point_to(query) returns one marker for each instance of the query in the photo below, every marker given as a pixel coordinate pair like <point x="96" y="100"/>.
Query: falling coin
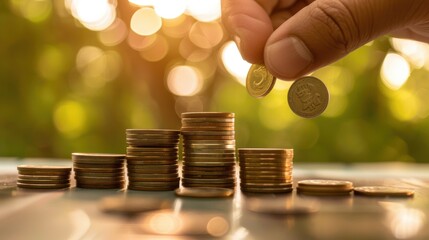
<point x="259" y="81"/>
<point x="308" y="97"/>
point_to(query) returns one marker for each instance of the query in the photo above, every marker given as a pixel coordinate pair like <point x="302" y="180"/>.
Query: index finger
<point x="250" y="26"/>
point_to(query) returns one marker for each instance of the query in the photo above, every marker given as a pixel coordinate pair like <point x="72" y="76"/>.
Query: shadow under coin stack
<point x="208" y="149"/>
<point x="43" y="177"/>
<point x="152" y="160"/>
<point x="99" y="171"/>
<point x="266" y="170"/>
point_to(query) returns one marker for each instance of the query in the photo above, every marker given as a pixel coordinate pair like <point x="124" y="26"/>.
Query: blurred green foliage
<point x="51" y="107"/>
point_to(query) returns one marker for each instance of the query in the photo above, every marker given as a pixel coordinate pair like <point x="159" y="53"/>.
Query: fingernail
<point x="288" y="57"/>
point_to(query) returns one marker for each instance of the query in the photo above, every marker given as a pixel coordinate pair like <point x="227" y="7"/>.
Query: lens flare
<point x="145" y="22"/>
<point x="184" y="81"/>
<point x="169" y="9"/>
<point x="395" y="71"/>
<point x="234" y="63"/>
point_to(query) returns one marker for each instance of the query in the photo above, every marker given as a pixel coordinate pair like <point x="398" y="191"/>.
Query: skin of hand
<point x="295" y="37"/>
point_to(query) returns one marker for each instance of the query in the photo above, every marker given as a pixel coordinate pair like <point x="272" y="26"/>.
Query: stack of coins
<point x="266" y="170"/>
<point x="43" y="177"/>
<point x="324" y="187"/>
<point x="99" y="171"/>
<point x="152" y="160"/>
<point x="208" y="149"/>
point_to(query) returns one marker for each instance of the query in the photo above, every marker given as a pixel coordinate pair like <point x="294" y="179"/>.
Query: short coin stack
<point x="152" y="160"/>
<point x="99" y="171"/>
<point x="208" y="149"/>
<point x="43" y="177"/>
<point x="324" y="187"/>
<point x="266" y="170"/>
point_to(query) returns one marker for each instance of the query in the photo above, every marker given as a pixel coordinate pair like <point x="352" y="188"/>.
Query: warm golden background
<point x="75" y="74"/>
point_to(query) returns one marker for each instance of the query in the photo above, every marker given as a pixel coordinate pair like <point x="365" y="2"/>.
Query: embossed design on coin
<point x="308" y="97"/>
<point x="259" y="81"/>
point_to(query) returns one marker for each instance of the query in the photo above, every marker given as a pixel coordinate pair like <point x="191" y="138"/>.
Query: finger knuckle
<point x="335" y="17"/>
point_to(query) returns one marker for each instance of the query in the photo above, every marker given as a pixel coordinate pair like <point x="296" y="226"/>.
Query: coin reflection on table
<point x="185" y="223"/>
<point x="132" y="205"/>
<point x="283" y="207"/>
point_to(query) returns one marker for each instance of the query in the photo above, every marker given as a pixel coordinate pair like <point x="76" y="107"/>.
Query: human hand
<point x="295" y="37"/>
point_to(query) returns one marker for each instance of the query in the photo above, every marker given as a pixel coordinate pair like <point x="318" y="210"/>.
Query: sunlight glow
<point x="145" y="22"/>
<point x="395" y="71"/>
<point x="184" y="81"/>
<point x="206" y="35"/>
<point x="114" y="34"/>
<point x="157" y="50"/>
<point x="416" y="52"/>
<point x="169" y="9"/>
<point x="95" y="15"/>
<point x="204" y="11"/>
<point x="142" y="3"/>
<point x="234" y="63"/>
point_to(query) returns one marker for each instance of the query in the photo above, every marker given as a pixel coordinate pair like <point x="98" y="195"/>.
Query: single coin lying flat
<point x="384" y="191"/>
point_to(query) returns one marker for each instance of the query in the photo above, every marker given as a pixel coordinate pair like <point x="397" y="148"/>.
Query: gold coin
<point x="154" y="150"/>
<point x="97" y="156"/>
<point x="207" y="124"/>
<point x="332" y="184"/>
<point x="97" y="165"/>
<point x="208" y="115"/>
<point x="209" y="164"/>
<point x="259" y="81"/>
<point x="208" y="133"/>
<point x="208" y="121"/>
<point x="43" y="168"/>
<point x="150" y="188"/>
<point x="206" y="146"/>
<point x="43" y="186"/>
<point x="98" y="174"/>
<point x="204" y="192"/>
<point x="208" y="169"/>
<point x="266" y="189"/>
<point x="220" y="185"/>
<point x="153" y="131"/>
<point x="266" y="150"/>
<point x="205" y="180"/>
<point x="97" y="169"/>
<point x="154" y="184"/>
<point x="308" y="97"/>
<point x="384" y="191"/>
<point x="119" y="185"/>
<point x="206" y="137"/>
<point x="33" y="181"/>
<point x="42" y="177"/>
<point x="324" y="189"/>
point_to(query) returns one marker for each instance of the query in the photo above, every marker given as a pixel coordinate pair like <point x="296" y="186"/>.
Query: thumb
<point x="326" y="30"/>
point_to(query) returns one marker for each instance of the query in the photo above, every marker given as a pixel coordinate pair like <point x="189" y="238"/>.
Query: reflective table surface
<point x="75" y="213"/>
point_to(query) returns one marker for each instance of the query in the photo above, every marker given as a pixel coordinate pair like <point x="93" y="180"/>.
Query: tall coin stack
<point x="98" y="170"/>
<point x="266" y="170"/>
<point x="43" y="177"/>
<point x="208" y="149"/>
<point x="152" y="160"/>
